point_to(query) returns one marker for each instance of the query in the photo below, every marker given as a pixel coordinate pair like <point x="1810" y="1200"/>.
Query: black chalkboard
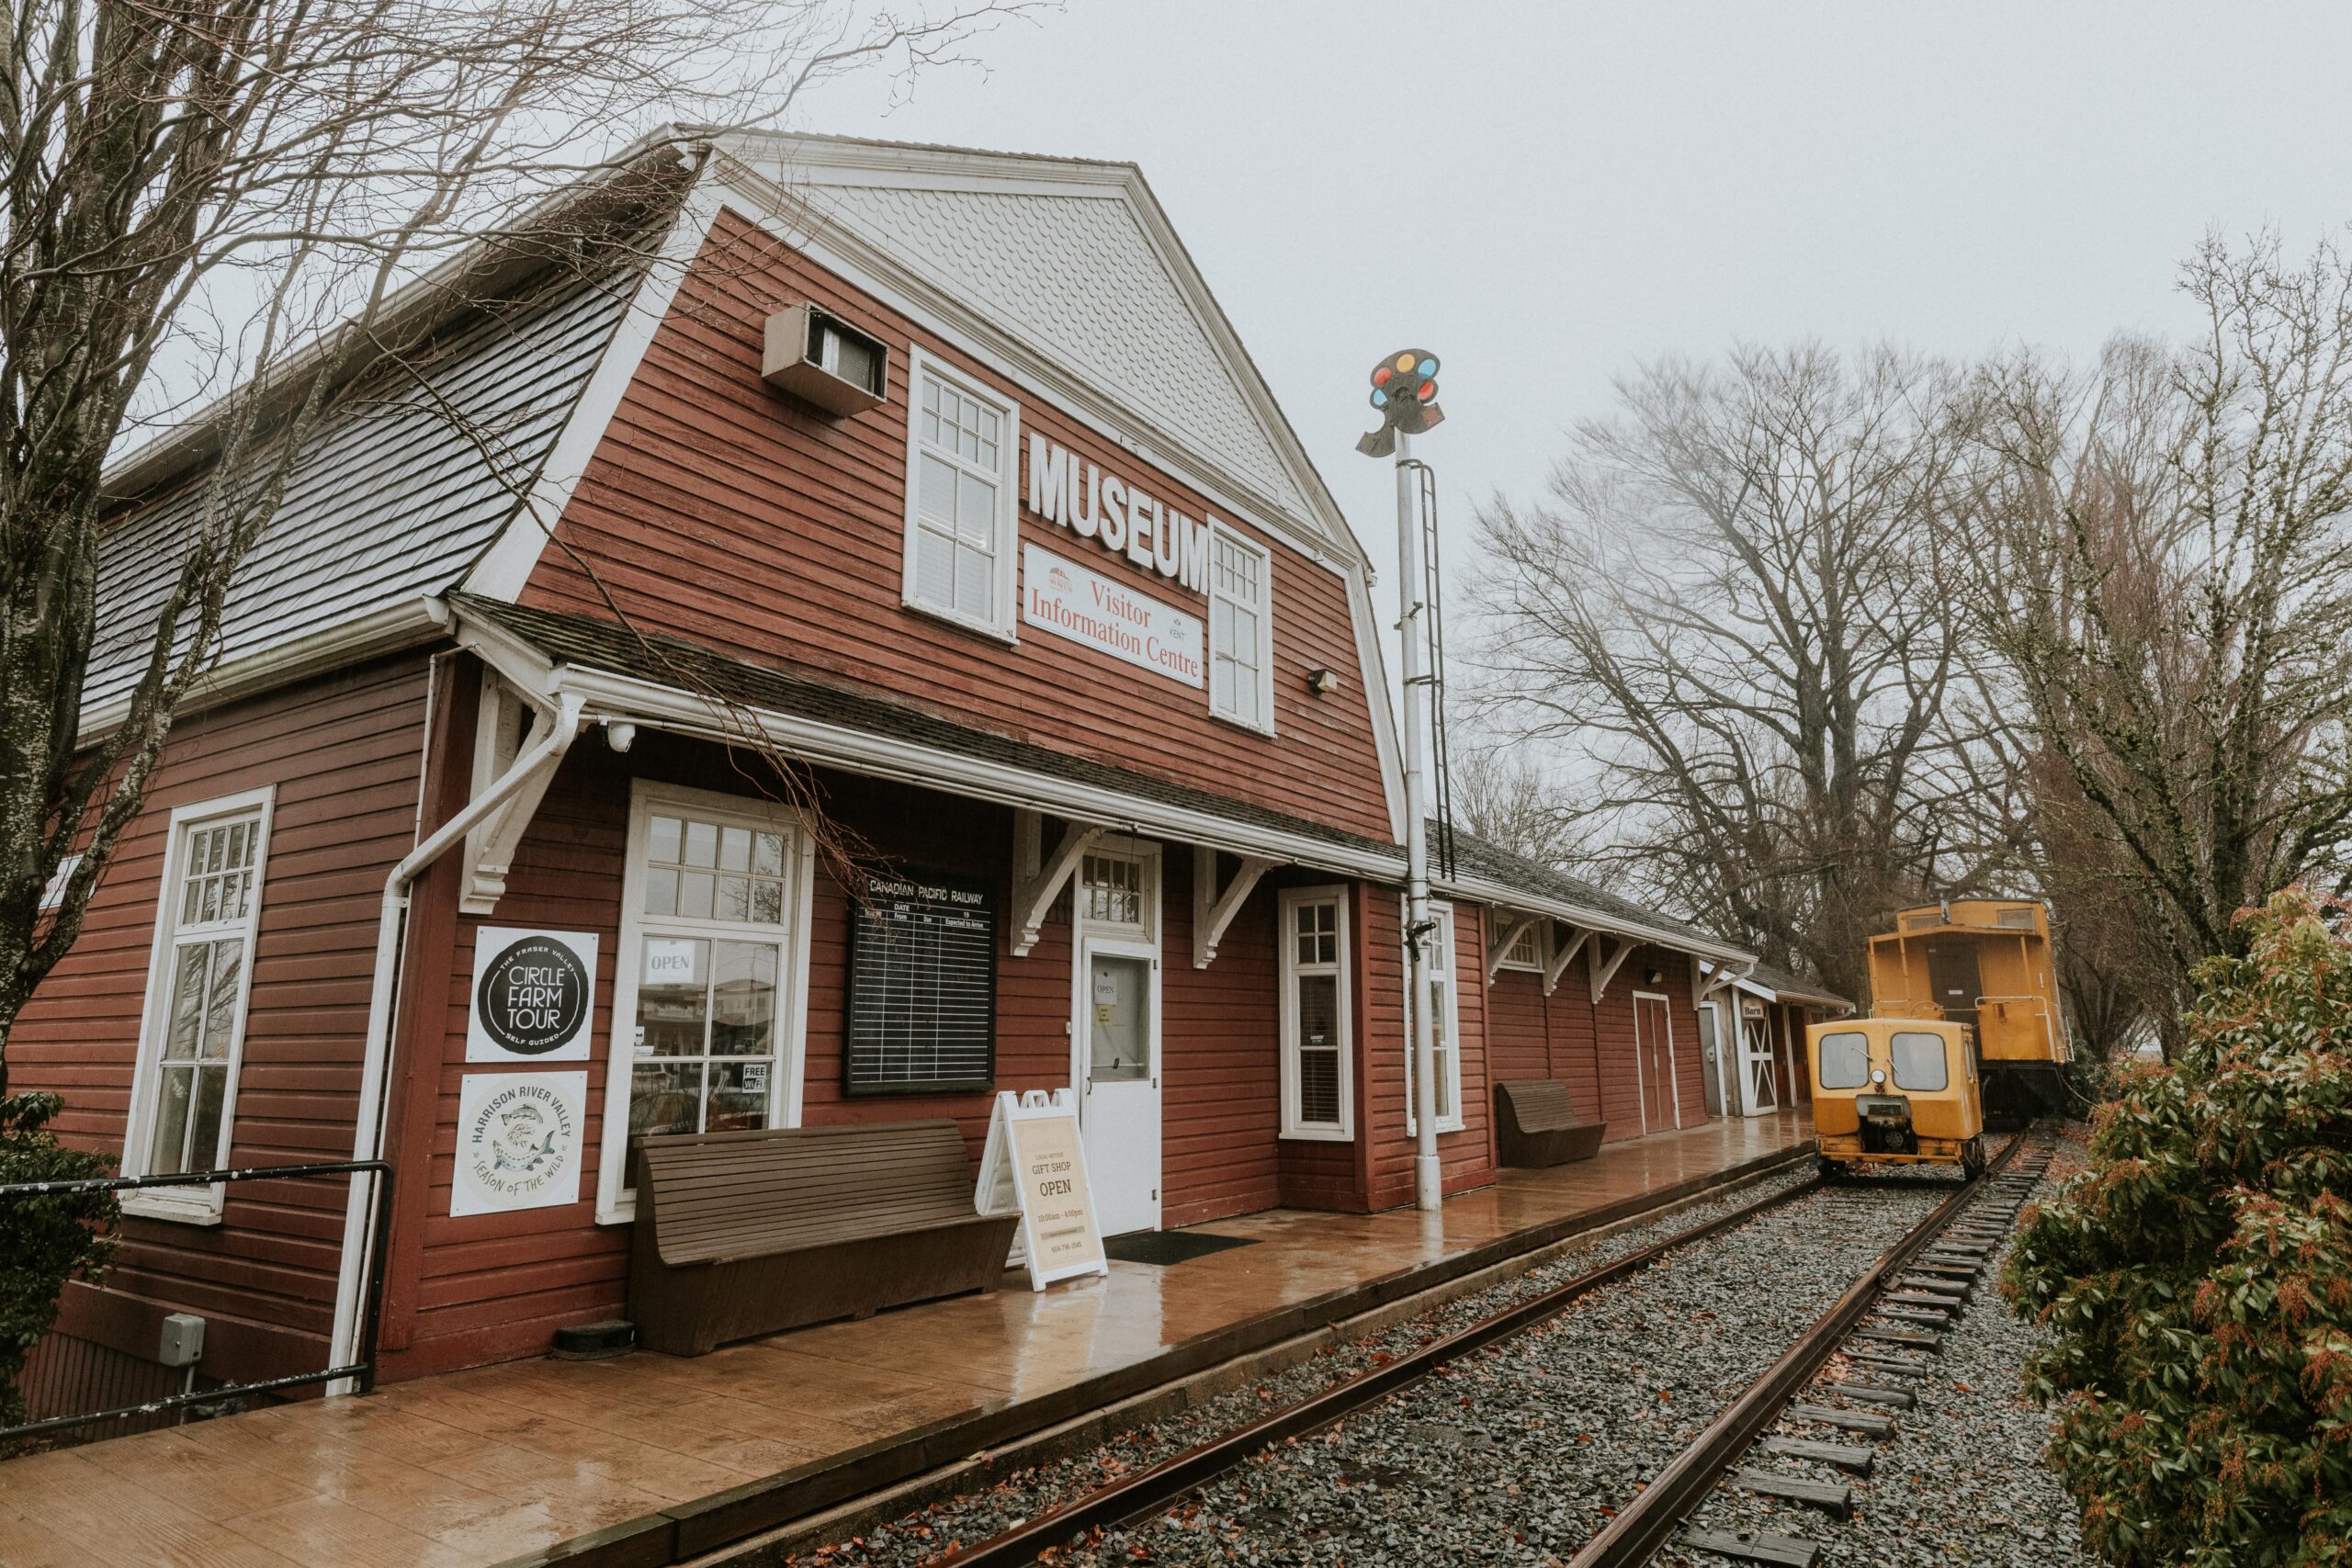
<point x="921" y="986"/>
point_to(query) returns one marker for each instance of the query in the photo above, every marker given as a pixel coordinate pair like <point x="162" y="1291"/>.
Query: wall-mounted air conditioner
<point x="822" y="359"/>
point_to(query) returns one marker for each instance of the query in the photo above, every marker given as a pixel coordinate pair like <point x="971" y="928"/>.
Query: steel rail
<point x="1643" y="1524"/>
<point x="1147" y="1490"/>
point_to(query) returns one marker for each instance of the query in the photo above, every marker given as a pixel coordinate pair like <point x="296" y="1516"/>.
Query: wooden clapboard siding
<point x="344" y="752"/>
<point x="1465" y="1157"/>
<point x="722" y="511"/>
<point x="1220" y="1058"/>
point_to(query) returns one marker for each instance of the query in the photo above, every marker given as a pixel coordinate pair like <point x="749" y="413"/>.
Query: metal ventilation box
<point x="822" y="359"/>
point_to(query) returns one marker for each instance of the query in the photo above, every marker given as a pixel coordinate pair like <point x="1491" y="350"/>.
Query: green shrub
<point x="2198" y="1274"/>
<point x="44" y="1241"/>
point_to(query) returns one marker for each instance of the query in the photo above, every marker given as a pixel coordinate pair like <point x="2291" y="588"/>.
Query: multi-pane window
<point x="196" y="1006"/>
<point x="1111" y="891"/>
<point x="709" y="962"/>
<point x="1239" y="640"/>
<point x="1444" y="1024"/>
<point x="959" y="486"/>
<point x="1316" y="1090"/>
<point x="1526" y="951"/>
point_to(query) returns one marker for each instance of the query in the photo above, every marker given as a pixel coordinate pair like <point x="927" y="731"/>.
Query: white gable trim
<point x="506" y="563"/>
<point x="799" y="217"/>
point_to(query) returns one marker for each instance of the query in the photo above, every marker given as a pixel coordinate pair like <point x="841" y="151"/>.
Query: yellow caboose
<point x="1903" y="1090"/>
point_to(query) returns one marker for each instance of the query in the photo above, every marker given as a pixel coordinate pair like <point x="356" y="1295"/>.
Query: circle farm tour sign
<point x="534" y="992"/>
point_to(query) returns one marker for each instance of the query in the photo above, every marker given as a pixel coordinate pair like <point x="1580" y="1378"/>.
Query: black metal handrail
<point x="362" y="1371"/>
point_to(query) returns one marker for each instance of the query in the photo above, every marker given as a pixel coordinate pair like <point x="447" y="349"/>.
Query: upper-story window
<point x="1241" y="631"/>
<point x="193" y="1035"/>
<point x="961" y="456"/>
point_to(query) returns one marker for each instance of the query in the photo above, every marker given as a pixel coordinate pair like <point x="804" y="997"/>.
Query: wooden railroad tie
<point x="1845" y="1456"/>
<point x="1831" y="1498"/>
<point x="1911" y="1298"/>
<point x="1871" y="1393"/>
<point x="1862" y="1421"/>
<point x="1917" y="1338"/>
<point x="1951" y="1290"/>
<point x="1938" y="1317"/>
<point x="1754" y="1546"/>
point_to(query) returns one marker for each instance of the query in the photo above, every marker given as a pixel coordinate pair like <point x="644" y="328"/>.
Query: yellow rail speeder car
<point x="1903" y="1090"/>
<point x="1964" y="1008"/>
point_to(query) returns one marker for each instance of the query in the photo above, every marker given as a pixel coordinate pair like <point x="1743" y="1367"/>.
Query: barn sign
<point x="1117" y="515"/>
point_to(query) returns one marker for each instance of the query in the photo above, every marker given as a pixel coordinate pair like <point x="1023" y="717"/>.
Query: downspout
<point x="376" y="1059"/>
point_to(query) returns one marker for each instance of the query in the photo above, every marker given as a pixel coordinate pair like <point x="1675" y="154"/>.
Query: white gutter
<point x="376" y="1059"/>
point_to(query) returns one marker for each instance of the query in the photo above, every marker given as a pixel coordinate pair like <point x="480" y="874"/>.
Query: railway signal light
<point x="1404" y="393"/>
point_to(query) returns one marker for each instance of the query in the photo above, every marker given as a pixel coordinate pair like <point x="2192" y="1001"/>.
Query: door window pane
<point x="1118" y="1018"/>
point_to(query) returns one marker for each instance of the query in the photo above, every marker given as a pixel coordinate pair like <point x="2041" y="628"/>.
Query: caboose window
<point x="1919" y="1061"/>
<point x="1845" y="1060"/>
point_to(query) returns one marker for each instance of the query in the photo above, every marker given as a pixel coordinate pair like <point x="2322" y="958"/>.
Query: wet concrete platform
<point x="653" y="1459"/>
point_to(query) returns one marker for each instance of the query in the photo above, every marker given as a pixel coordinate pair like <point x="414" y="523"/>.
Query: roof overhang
<point x="1793" y="996"/>
<point x="611" y="697"/>
<point x="1502" y="896"/>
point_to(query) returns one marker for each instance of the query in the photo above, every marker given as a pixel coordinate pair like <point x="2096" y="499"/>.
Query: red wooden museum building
<point x="937" y="477"/>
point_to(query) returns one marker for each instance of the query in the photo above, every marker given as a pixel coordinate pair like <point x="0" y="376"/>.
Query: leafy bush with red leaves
<point x="2198" y="1273"/>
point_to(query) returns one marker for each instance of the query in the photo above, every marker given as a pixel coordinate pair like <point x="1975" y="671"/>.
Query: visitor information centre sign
<point x="1068" y="600"/>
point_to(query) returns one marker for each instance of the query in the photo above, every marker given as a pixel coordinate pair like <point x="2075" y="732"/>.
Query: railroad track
<point x="1896" y="1308"/>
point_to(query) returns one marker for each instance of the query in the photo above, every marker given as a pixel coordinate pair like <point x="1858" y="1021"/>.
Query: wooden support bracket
<point x="506" y="721"/>
<point x="1602" y="973"/>
<point x="1037" y="878"/>
<point x="1520" y="926"/>
<point x="1563" y="957"/>
<point x="1214" y="910"/>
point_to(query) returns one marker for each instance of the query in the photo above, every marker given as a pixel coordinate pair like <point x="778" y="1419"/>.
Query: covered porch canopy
<point x="599" y="671"/>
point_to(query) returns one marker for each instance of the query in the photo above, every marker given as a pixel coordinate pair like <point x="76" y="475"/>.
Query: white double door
<point x="1117" y="1028"/>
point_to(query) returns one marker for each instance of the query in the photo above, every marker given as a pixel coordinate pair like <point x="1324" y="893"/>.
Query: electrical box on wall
<point x="822" y="359"/>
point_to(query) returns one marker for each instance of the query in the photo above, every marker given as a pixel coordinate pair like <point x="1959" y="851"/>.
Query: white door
<point x="1712" y="1052"/>
<point x="1115" y="1031"/>
<point x="1120" y="1107"/>
<point x="1757" y="1082"/>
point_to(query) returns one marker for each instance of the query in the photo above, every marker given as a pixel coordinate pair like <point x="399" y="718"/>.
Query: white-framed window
<point x="1112" y="893"/>
<point x="1445" y="1033"/>
<point x="192" y="1030"/>
<point x="1241" y="631"/>
<point x="1527" y="953"/>
<point x="1319" y="1098"/>
<point x="963" y="446"/>
<point x="709" y="1014"/>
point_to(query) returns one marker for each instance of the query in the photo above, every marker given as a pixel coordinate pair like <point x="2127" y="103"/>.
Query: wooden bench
<point x="749" y="1233"/>
<point x="1536" y="1126"/>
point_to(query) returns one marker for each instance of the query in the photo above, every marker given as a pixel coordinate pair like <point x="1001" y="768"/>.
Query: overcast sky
<point x="1548" y="194"/>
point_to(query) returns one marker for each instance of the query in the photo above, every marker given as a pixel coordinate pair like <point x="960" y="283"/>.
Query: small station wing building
<point x="940" y="474"/>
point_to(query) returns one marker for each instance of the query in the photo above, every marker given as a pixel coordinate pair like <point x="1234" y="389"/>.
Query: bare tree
<point x="263" y="201"/>
<point x="2162" y="552"/>
<point x="1729" y="602"/>
<point x="1500" y="795"/>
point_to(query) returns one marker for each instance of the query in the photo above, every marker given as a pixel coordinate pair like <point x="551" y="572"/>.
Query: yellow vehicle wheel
<point x="1833" y="1169"/>
<point x="1971" y="1158"/>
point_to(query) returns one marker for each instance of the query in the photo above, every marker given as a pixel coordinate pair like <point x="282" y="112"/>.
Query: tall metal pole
<point x="1428" y="1187"/>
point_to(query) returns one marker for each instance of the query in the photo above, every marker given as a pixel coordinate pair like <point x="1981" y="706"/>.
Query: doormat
<point x="1161" y="1248"/>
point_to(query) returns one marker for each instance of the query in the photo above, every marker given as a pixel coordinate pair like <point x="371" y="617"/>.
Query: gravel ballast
<point x="1024" y="1493"/>
<point x="1962" y="1483"/>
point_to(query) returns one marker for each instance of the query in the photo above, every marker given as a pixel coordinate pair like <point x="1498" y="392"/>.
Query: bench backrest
<point x="752" y="1193"/>
<point x="1537" y="1105"/>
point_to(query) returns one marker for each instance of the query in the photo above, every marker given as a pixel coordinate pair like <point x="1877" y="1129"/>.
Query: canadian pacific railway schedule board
<point x="921" y="986"/>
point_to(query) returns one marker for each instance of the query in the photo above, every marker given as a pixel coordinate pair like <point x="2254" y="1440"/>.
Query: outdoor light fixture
<point x="1657" y="976"/>
<point x="619" y="734"/>
<point x="1322" y="682"/>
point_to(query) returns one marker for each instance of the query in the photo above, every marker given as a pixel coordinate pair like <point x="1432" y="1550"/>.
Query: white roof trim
<point x="609" y="695"/>
<point x="1480" y="890"/>
<point x="836" y="240"/>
